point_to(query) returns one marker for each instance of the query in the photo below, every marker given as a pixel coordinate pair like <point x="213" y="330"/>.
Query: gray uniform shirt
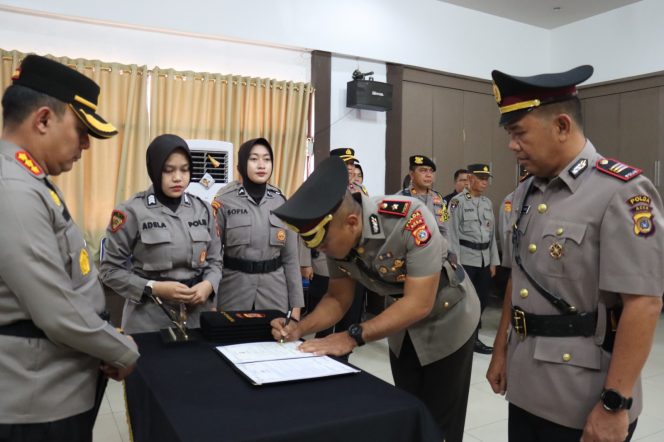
<point x="319" y="263"/>
<point x="251" y="232"/>
<point x="471" y="219"/>
<point x="400" y="237"/>
<point x="587" y="239"/>
<point x="504" y="220"/>
<point x="47" y="276"/>
<point x="146" y="240"/>
<point x="435" y="203"/>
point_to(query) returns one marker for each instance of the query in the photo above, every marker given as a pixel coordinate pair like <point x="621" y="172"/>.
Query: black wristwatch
<point x="355" y="332"/>
<point x="614" y="401"/>
<point x="147" y="290"/>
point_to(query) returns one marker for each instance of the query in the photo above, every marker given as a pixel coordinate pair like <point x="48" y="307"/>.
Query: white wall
<point x="363" y="130"/>
<point x="426" y="33"/>
<point x="621" y="43"/>
<point x="28" y="33"/>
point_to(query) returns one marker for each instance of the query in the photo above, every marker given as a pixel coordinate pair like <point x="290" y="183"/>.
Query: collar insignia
<point x="578" y="168"/>
<point x="26" y="161"/>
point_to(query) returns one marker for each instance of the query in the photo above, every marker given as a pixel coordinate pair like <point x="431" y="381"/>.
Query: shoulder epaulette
<point x="617" y="169"/>
<point x="394" y="207"/>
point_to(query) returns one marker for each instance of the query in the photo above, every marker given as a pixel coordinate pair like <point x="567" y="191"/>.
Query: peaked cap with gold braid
<point x="516" y="96"/>
<point x="311" y="208"/>
<point x="67" y="85"/>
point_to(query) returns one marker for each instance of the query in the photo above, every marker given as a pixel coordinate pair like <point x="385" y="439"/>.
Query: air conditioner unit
<point x="213" y="167"/>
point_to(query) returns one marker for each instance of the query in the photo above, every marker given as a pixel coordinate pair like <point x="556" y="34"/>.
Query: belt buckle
<point x="519" y="325"/>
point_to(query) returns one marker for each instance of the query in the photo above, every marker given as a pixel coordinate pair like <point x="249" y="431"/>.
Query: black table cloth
<point x="188" y="392"/>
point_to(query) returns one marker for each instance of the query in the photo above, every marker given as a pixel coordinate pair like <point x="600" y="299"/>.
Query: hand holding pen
<point x="288" y="318"/>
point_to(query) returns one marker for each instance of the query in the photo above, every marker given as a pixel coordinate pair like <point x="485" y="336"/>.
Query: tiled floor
<point x="486" y="420"/>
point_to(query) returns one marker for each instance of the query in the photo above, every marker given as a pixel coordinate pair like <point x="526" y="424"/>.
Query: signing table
<point x="188" y="392"/>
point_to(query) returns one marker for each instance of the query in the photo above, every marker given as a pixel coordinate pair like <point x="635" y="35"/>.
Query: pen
<point x="288" y="316"/>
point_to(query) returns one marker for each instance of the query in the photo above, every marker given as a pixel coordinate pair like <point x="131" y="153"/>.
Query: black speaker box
<point x="370" y="95"/>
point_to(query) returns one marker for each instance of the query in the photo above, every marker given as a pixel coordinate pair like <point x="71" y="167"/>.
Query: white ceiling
<point x="541" y="12"/>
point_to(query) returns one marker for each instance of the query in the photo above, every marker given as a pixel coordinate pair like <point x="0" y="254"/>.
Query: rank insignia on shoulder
<point x="507" y="207"/>
<point x="617" y="169"/>
<point x="373" y="224"/>
<point x="26" y="161"/>
<point x="216" y="205"/>
<point x="152" y="200"/>
<point x="118" y="218"/>
<point x="394" y="207"/>
<point x="468" y="196"/>
<point x="641" y="215"/>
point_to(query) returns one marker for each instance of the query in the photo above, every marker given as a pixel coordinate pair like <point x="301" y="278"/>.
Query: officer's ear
<point x="42" y="118"/>
<point x="563" y="125"/>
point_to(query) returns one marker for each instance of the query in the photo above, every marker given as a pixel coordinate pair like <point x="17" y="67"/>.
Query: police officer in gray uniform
<point x="422" y="175"/>
<point x="52" y="338"/>
<point x="163" y="242"/>
<point x="261" y="268"/>
<point x="391" y="245"/>
<point x="586" y="253"/>
<point x="473" y="235"/>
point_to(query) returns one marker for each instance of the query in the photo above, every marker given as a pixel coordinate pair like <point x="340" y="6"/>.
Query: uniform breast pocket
<point x="487" y="218"/>
<point x="238" y="230"/>
<point x="562" y="254"/>
<point x="157" y="253"/>
<point x="469" y="222"/>
<point x="277" y="232"/>
<point x="78" y="256"/>
<point x="200" y="238"/>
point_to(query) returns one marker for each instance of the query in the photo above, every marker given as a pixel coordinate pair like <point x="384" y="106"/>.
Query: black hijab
<point x="257" y="191"/>
<point x="157" y="154"/>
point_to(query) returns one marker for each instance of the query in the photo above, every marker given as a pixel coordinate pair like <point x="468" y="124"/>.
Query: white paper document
<point x="271" y="362"/>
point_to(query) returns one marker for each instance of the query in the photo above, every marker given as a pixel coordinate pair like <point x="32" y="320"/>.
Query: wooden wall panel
<point x="447" y="136"/>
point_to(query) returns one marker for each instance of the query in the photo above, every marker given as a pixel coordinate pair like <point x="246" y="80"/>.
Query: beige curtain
<point x="111" y="170"/>
<point x="236" y="109"/>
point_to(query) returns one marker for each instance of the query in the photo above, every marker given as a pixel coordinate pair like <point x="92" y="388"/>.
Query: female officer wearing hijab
<point x="261" y="268"/>
<point x="164" y="242"/>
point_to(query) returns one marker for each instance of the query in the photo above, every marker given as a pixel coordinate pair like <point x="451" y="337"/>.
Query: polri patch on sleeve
<point x="453" y="204"/>
<point x="617" y="169"/>
<point x="118" y="218"/>
<point x="394" y="207"/>
<point x="641" y="215"/>
<point x="418" y="228"/>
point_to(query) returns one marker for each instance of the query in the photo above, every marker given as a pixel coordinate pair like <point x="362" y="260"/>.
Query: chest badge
<point x="202" y="256"/>
<point x="84" y="262"/>
<point x="56" y="198"/>
<point x="281" y="235"/>
<point x="556" y="250"/>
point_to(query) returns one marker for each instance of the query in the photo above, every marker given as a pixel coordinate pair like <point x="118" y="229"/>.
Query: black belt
<point x="474" y="245"/>
<point x="25" y="328"/>
<point x="526" y="324"/>
<point x="188" y="282"/>
<point x="246" y="266"/>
